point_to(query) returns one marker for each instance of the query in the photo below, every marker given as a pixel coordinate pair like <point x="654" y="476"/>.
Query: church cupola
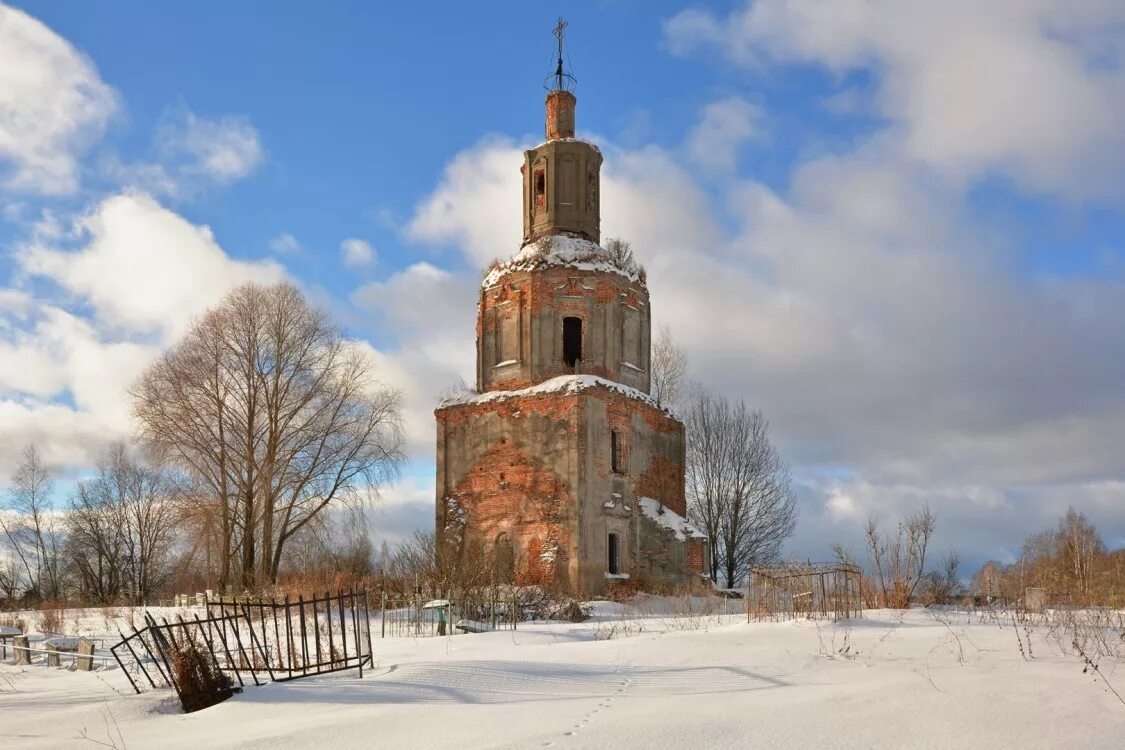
<point x="561" y="190"/>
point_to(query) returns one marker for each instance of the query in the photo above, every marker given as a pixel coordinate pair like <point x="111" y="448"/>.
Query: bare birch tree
<point x="669" y="366"/>
<point x="31" y="527"/>
<point x="738" y="486"/>
<point x="276" y="415"/>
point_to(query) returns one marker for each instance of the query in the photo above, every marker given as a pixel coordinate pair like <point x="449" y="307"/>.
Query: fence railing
<point x="244" y="640"/>
<point x="807" y="590"/>
<point x="465" y="612"/>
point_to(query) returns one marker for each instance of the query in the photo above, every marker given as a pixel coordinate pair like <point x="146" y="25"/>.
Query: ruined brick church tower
<point x="560" y="462"/>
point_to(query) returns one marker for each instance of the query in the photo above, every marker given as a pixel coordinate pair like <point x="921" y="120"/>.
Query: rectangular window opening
<point x="615" y="450"/>
<point x="612" y="555"/>
<point x="572" y="341"/>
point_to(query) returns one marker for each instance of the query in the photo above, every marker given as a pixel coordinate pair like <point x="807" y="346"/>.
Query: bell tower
<point x="559" y="465"/>
<point x="561" y="176"/>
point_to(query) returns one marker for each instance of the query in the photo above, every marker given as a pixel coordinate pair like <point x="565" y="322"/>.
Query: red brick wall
<point x="508" y="491"/>
<point x="663" y="478"/>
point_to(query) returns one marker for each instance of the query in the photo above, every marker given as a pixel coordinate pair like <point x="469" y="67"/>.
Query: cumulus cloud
<point x="473" y="206"/>
<point x="725" y="125"/>
<point x="142" y="266"/>
<point x="865" y="310"/>
<point x="223" y="149"/>
<point x="53" y="106"/>
<point x="1032" y="90"/>
<point x="427" y="318"/>
<point x="190" y="155"/>
<point x="103" y="292"/>
<point x="285" y="244"/>
<point x="355" y="252"/>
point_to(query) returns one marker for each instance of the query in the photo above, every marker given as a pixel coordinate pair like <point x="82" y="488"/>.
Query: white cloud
<point x="476" y="204"/>
<point x="714" y="143"/>
<point x="223" y="149"/>
<point x="53" y="105"/>
<point x="865" y="312"/>
<point x="1029" y="88"/>
<point x="285" y="244"/>
<point x="355" y="253"/>
<point x="142" y="266"/>
<point x="430" y="314"/>
<point x="69" y="352"/>
<point x="192" y="153"/>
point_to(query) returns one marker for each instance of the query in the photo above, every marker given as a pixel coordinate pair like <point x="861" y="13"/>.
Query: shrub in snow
<point x="199" y="681"/>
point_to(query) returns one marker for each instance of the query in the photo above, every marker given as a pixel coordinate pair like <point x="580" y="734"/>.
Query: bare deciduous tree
<point x="276" y="415"/>
<point x="1069" y="562"/>
<point x="1078" y="546"/>
<point x="121" y="527"/>
<point x="737" y="485"/>
<point x="31" y="528"/>
<point x="669" y="365"/>
<point x="900" y="560"/>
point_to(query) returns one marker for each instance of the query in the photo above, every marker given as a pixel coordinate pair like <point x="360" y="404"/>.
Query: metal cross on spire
<point x="563" y="81"/>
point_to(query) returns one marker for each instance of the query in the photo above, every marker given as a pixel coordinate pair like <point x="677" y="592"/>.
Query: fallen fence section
<point x="808" y="590"/>
<point x="206" y="659"/>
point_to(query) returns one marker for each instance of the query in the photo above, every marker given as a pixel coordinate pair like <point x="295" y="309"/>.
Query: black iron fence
<point x="206" y="659"/>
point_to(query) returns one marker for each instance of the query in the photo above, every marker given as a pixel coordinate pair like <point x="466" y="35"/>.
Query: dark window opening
<point x="540" y="188"/>
<point x="504" y="558"/>
<point x="615" y="448"/>
<point x="611" y="554"/>
<point x="572" y="341"/>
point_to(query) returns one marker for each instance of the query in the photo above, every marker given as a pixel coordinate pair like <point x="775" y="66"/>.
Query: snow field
<point x="645" y="674"/>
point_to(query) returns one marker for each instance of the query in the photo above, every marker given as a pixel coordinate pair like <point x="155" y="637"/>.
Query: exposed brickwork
<point x="664" y="480"/>
<point x="523" y="300"/>
<point x="537" y="471"/>
<point x="560" y="114"/>
<point x="507" y="492"/>
<point x="696" y="549"/>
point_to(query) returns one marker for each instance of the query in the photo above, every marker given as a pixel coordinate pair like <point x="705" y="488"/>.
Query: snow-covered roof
<point x="669" y="519"/>
<point x="562" y="384"/>
<point x="562" y="250"/>
<point x="567" y="140"/>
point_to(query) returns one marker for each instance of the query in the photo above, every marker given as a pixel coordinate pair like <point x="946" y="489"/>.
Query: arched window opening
<point x="612" y="555"/>
<point x="572" y="341"/>
<point x="540" y="184"/>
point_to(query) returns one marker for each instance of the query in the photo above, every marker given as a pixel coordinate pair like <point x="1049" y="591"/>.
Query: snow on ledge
<point x="562" y="384"/>
<point x="669" y="519"/>
<point x="617" y="576"/>
<point x="561" y="250"/>
<point x="566" y="140"/>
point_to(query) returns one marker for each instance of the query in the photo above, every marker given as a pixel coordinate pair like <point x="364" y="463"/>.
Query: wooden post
<point x="19" y="655"/>
<point x="383" y="615"/>
<point x="85" y="655"/>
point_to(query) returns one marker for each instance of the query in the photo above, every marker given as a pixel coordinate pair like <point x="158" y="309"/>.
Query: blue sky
<point x="894" y="227"/>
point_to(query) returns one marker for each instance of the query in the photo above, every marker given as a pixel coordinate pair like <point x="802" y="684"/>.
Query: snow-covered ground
<point x="630" y="677"/>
